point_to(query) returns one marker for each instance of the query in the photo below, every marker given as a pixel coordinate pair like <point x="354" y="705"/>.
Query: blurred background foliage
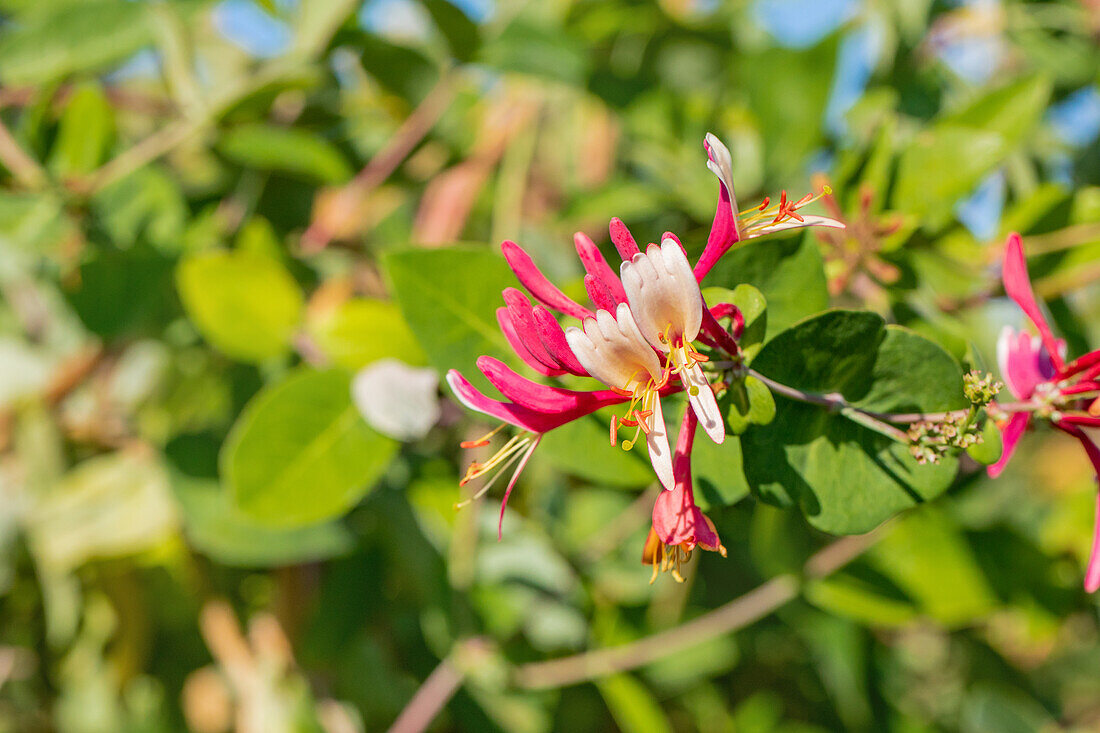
<point x="207" y="209"/>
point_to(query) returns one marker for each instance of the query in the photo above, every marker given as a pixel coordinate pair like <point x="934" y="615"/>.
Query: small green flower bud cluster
<point x="980" y="388"/>
<point x="929" y="441"/>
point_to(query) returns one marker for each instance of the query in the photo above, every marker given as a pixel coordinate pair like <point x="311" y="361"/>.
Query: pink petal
<point x="596" y="266"/>
<point x="1092" y="571"/>
<point x="520" y="347"/>
<point x="521" y="417"/>
<point x="544" y="291"/>
<point x="1087" y="362"/>
<point x="1024" y="364"/>
<point x="1010" y="436"/>
<point x="523" y="320"/>
<point x="673" y="519"/>
<point x="601" y="296"/>
<point x="553" y="338"/>
<point x="724" y="232"/>
<point x="623" y="239"/>
<point x="1018" y="287"/>
<point x="676" y="518"/>
<point x="544" y="398"/>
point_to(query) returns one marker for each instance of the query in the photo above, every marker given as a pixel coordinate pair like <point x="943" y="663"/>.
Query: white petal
<point x="662" y="292"/>
<point x="689" y="298"/>
<point x="657" y="443"/>
<point x="722" y="166"/>
<point x="612" y="350"/>
<point x="1004" y="345"/>
<point x="792" y="223"/>
<point x="396" y="399"/>
<point x="703" y="403"/>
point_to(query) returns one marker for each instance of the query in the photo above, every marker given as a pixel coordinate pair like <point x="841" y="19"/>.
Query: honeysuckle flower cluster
<point x="641" y="339"/>
<point x="1035" y="370"/>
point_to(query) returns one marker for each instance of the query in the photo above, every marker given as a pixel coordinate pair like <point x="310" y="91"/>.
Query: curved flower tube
<point x="678" y="524"/>
<point x="1034" y="370"/>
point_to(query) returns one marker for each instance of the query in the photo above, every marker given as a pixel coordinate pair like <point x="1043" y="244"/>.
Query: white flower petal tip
<point x="613" y="350"/>
<point x="398" y="400"/>
<point x="663" y="295"/>
<point x="703" y="403"/>
<point x="660" y="455"/>
<point x="807" y="221"/>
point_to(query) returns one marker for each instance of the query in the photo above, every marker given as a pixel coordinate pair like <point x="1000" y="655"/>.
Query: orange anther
<point x="480" y="443"/>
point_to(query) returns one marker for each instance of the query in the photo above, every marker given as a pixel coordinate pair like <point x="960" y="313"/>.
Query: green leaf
<point x="717" y="471"/>
<point x="990" y="449"/>
<point x="216" y="528"/>
<point x="112" y="505"/>
<point x="747" y="402"/>
<point x="449" y="298"/>
<point x="941" y="165"/>
<point x="846" y="478"/>
<point x="58" y="40"/>
<point x="790" y="120"/>
<point x="926" y="555"/>
<point x="288" y="150"/>
<point x="461" y="32"/>
<point x="1013" y="110"/>
<point x="786" y="268"/>
<point x="85" y="133"/>
<point x="753" y="305"/>
<point x="400" y="69"/>
<point x="859" y="601"/>
<point x="300" y="453"/>
<point x="632" y="705"/>
<point x="245" y="304"/>
<point x="583" y="448"/>
<point x="318" y="21"/>
<point x="145" y="206"/>
<point x="361" y="330"/>
<point x="122" y="291"/>
<point x="537" y="50"/>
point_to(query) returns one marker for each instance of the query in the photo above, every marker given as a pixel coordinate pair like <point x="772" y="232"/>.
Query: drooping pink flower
<point x="678" y="524"/>
<point x="1035" y="371"/>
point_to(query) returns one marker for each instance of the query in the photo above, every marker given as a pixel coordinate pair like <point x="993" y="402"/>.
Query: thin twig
<point x="738" y="613"/>
<point x="25" y="168"/>
<point x="407" y="136"/>
<point x="835" y="402"/>
<point x="440" y="686"/>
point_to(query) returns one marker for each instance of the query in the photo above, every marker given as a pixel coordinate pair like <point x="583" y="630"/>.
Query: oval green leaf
<point x="300" y="453"/>
<point x="246" y="305"/>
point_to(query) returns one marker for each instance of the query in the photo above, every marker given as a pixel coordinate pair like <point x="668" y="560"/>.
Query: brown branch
<point x="738" y="613"/>
<point x="382" y="165"/>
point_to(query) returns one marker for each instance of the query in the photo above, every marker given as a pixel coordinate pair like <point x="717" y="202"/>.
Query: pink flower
<point x="1035" y="372"/>
<point x="678" y="524"/>
<point x="639" y="341"/>
<point x="731" y="226"/>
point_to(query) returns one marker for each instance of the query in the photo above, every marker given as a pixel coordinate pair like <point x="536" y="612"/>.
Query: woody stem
<point x="738" y="613"/>
<point x="835" y="401"/>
